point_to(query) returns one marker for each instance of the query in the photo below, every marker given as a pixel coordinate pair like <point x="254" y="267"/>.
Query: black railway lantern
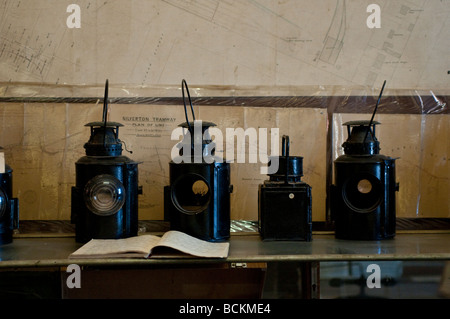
<point x="197" y="201"/>
<point x="363" y="204"/>
<point x="284" y="201"/>
<point x="9" y="207"/>
<point x="105" y="198"/>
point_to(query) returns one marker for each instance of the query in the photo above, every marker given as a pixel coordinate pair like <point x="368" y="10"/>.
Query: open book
<point x="172" y="244"/>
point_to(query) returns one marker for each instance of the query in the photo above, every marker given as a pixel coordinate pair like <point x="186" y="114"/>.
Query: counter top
<point x="244" y="247"/>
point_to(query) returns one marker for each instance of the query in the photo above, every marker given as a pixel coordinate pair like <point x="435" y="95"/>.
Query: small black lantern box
<point x="9" y="206"/>
<point x="105" y="198"/>
<point x="363" y="194"/>
<point x="197" y="201"/>
<point x="285" y="202"/>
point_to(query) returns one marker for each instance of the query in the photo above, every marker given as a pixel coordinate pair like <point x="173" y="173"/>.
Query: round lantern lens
<point x="191" y="194"/>
<point x="362" y="192"/>
<point x="104" y="195"/>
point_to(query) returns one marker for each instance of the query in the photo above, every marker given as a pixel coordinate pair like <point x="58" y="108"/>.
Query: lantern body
<point x="284" y="211"/>
<point x="9" y="208"/>
<point x="364" y="197"/>
<point x="363" y="204"/>
<point x="105" y="198"/>
<point x="285" y="202"/>
<point x="197" y="201"/>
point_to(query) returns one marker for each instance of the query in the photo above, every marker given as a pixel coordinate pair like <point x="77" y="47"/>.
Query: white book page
<point x="142" y="245"/>
<point x="194" y="246"/>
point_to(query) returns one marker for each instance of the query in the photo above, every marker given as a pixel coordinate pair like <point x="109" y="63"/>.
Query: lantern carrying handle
<point x="183" y="85"/>
<point x="105" y="110"/>
<point x="105" y="103"/>
<point x="285" y="152"/>
<point x="374" y="111"/>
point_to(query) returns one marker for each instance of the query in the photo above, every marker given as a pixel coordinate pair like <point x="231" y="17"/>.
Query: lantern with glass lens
<point x="363" y="194"/>
<point x="105" y="198"/>
<point x="9" y="206"/>
<point x="285" y="201"/>
<point x="197" y="201"/>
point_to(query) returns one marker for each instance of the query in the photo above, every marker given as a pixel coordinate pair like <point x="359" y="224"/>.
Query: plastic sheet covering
<point x="42" y="132"/>
<point x="238" y="226"/>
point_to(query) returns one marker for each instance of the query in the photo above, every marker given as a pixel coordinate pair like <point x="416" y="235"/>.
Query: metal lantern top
<point x="195" y="140"/>
<point x="361" y="138"/>
<point x="361" y="135"/>
<point x="290" y="168"/>
<point x="205" y="138"/>
<point x="104" y="139"/>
